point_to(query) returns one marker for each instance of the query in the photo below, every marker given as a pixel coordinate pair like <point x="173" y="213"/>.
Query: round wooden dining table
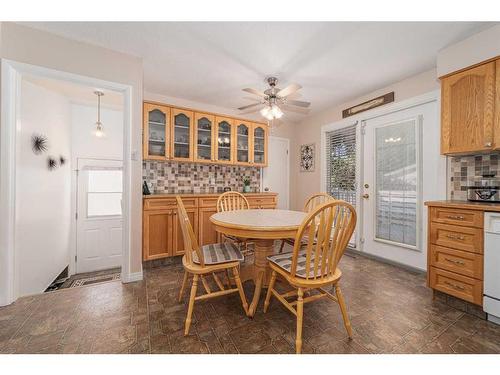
<point x="263" y="227"/>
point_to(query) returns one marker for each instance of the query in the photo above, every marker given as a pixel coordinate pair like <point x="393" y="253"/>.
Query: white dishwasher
<point x="491" y="297"/>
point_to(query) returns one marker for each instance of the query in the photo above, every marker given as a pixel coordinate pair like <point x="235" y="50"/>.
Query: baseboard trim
<point x="387" y="261"/>
<point x="136" y="276"/>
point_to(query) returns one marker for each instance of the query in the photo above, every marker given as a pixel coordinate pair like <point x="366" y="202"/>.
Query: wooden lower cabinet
<point x="455" y="248"/>
<point x="157" y="234"/>
<point x="162" y="235"/>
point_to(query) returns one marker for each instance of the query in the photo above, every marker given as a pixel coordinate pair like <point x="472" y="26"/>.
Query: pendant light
<point x="99" y="132"/>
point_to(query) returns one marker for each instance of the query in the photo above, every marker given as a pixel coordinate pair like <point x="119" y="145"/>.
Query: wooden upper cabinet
<point x="242" y="144"/>
<point x="156" y="131"/>
<point x="224" y="140"/>
<point x="468" y="111"/>
<point x="204" y="138"/>
<point x="182" y="135"/>
<point x="496" y="132"/>
<point x="259" y="145"/>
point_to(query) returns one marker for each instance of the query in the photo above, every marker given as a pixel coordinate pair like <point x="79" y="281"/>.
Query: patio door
<point x="392" y="180"/>
<point x="99" y="215"/>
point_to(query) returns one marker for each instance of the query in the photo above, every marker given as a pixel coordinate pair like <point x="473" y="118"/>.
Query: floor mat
<point x="94" y="280"/>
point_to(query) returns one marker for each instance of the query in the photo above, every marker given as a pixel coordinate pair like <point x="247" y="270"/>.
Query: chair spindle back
<point x="190" y="241"/>
<point x="231" y="201"/>
<point x="331" y="225"/>
<point x="315" y="200"/>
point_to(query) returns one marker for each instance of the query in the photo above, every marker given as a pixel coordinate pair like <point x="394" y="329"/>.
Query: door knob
<point x="366" y="196"/>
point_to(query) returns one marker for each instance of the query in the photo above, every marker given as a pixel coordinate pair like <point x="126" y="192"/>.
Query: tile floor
<point x="391" y="309"/>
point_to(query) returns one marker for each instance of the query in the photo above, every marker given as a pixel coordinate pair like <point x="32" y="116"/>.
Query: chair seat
<point x="284" y="261"/>
<point x="218" y="253"/>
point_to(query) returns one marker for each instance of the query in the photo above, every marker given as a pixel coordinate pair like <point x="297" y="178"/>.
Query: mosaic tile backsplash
<point x="465" y="168"/>
<point x="174" y="177"/>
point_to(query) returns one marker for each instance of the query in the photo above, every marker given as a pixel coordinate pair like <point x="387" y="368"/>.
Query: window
<point x="341" y="165"/>
<point x="104" y="193"/>
<point x="397" y="182"/>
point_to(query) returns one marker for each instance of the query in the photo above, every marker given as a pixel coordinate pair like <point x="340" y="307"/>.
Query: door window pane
<point x="396" y="182"/>
<point x="104" y="193"/>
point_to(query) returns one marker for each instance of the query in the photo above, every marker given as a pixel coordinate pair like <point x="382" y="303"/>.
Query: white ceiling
<point x="211" y="62"/>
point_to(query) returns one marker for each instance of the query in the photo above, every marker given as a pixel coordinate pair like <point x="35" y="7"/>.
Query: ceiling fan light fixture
<point x="276" y="111"/>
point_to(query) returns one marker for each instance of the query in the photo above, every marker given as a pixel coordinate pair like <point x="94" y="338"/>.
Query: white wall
<point x="85" y="144"/>
<point x="43" y="197"/>
<point x="473" y="50"/>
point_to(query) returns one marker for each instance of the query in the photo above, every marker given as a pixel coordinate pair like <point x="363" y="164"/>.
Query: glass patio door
<point x="391" y="184"/>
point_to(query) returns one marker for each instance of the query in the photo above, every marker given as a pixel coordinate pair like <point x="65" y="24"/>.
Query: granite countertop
<point x="172" y="195"/>
<point x="480" y="206"/>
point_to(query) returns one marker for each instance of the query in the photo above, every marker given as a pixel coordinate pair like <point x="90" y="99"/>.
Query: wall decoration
<point x="51" y="163"/>
<point x="39" y="143"/>
<point x="381" y="100"/>
<point x="62" y="160"/>
<point x="307" y="157"/>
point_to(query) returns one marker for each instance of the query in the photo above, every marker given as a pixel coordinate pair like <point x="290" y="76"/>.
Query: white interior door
<point x="396" y="163"/>
<point x="276" y="176"/>
<point x="99" y="215"/>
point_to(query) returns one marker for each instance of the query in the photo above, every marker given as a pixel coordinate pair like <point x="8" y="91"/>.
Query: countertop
<point x="173" y="195"/>
<point x="479" y="206"/>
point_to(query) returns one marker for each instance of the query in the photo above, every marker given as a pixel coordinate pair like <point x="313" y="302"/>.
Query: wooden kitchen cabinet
<point x="162" y="235"/>
<point x="180" y="134"/>
<point x="157" y="234"/>
<point x="156" y="131"/>
<point x="468" y="106"/>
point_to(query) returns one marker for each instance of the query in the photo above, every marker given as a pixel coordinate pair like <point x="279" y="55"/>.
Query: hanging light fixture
<point x="271" y="112"/>
<point x="99" y="132"/>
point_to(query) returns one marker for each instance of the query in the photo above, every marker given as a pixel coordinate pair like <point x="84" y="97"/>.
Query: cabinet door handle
<point x="454" y="286"/>
<point x="455" y="237"/>
<point x="455" y="217"/>
<point x="455" y="261"/>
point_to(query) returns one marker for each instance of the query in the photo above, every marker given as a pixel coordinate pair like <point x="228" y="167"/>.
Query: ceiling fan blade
<point x="295" y="109"/>
<point x="249" y="106"/>
<point x="256" y="92"/>
<point x="298" y="103"/>
<point x="290" y="89"/>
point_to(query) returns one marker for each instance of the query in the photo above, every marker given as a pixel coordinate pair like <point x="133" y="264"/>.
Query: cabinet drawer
<point x="457" y="285"/>
<point x="167" y="203"/>
<point x="455" y="216"/>
<point x="462" y="262"/>
<point x="455" y="237"/>
<point x="261" y="201"/>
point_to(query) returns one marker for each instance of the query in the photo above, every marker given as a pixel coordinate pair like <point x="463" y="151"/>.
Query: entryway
<point x="387" y="163"/>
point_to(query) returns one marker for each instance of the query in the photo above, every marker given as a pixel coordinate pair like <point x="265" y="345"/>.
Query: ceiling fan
<point x="273" y="97"/>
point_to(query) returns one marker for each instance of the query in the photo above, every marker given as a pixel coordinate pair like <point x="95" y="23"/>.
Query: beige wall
<point x="473" y="50"/>
<point x="303" y="184"/>
<point x="26" y="45"/>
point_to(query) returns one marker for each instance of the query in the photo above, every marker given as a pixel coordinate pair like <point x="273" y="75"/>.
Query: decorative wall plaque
<point x="381" y="100"/>
<point x="307" y="157"/>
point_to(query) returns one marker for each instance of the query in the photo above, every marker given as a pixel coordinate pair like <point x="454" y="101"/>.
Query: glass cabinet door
<point x="224" y="140"/>
<point x="156" y="131"/>
<point x="243" y="142"/>
<point x="259" y="142"/>
<point x="182" y="134"/>
<point x="203" y="140"/>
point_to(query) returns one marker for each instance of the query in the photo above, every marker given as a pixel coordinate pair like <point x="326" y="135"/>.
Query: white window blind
<point x="341" y="164"/>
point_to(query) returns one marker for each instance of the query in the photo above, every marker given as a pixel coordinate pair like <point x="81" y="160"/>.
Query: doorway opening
<point x="60" y="112"/>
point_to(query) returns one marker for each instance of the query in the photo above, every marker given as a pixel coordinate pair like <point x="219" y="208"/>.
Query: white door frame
<point x="11" y="75"/>
<point x="364" y="116"/>
<point x="287" y="168"/>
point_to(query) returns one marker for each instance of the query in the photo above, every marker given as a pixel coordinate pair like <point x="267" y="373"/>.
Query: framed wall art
<point x="307" y="157"/>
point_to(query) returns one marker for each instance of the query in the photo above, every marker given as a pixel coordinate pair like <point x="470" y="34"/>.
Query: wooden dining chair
<point x="205" y="261"/>
<point x="312" y="202"/>
<point x="231" y="201"/>
<point x="315" y="267"/>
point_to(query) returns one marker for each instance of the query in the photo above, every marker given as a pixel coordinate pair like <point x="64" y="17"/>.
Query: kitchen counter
<point x="459" y="204"/>
<point x="173" y="195"/>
